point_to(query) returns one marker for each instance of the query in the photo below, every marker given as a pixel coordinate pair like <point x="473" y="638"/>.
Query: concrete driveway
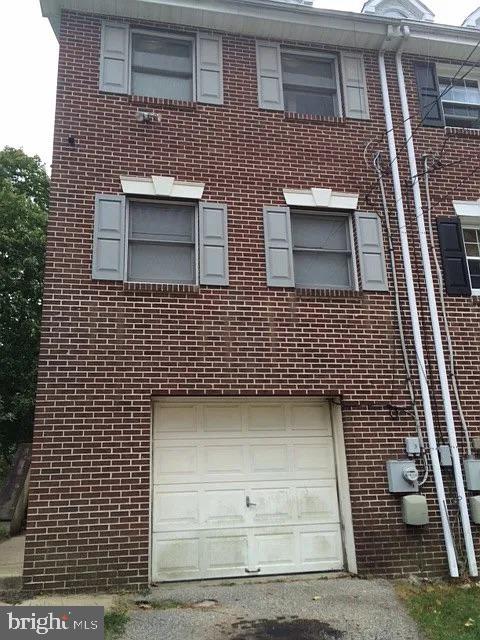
<point x="311" y="608"/>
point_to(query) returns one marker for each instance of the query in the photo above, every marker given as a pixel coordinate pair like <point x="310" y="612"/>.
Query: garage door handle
<point x="252" y="571"/>
<point x="250" y="504"/>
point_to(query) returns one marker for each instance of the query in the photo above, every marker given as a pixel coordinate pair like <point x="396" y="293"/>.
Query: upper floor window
<point x="310" y="83"/>
<point x="471" y="237"/>
<point x="162" y="66"/>
<point x="461" y="101"/>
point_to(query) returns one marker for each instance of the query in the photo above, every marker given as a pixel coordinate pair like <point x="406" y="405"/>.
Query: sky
<point x="28" y="67"/>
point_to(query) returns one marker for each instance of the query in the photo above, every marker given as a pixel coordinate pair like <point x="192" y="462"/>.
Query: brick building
<point x="221" y="377"/>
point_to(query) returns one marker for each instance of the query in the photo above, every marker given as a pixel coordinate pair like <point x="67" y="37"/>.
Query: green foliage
<point x="23" y="219"/>
<point x="115" y="623"/>
<point x="445" y="612"/>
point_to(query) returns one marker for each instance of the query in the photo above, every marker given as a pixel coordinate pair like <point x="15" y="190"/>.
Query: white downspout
<point x="417" y="336"/>
<point x="437" y="334"/>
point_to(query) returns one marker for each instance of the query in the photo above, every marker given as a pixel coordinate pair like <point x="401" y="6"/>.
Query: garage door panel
<point x="224" y="459"/>
<point x="175" y="461"/>
<point x="174" y="418"/>
<point x="311" y="417"/>
<point x="315" y="458"/>
<point x="176" y="557"/>
<point x="224" y="507"/>
<point x="268" y="458"/>
<point x="267" y="417"/>
<point x="224" y="419"/>
<point x="176" y="509"/>
<point x="227" y="552"/>
<point x="320" y="547"/>
<point x="276" y="550"/>
<point x="317" y="503"/>
<point x="273" y="505"/>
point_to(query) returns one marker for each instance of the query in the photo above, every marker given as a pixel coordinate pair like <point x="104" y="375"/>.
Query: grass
<point x="444" y="612"/>
<point x="4" y="535"/>
<point x="165" y="604"/>
<point x="115" y="622"/>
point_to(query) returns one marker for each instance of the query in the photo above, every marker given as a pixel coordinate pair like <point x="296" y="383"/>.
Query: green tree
<point x="24" y="186"/>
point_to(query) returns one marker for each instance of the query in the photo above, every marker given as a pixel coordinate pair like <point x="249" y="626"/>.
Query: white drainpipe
<point x="437" y="334"/>
<point x="417" y="336"/>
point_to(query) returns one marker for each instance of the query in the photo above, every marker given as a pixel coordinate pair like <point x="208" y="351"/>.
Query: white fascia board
<point x="162" y="187"/>
<point x="317" y="198"/>
<point x="467" y="209"/>
<point x="275" y="20"/>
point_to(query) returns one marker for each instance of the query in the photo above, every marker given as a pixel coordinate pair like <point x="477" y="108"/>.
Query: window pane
<point x="162" y="67"/>
<point x="175" y="223"/>
<point x="309" y="84"/>
<point x="472" y="250"/>
<point x="470" y="235"/>
<point x="474" y="266"/>
<point x="320" y="232"/>
<point x="310" y="102"/>
<point x="308" y="71"/>
<point x="148" y="262"/>
<point x="329" y="270"/>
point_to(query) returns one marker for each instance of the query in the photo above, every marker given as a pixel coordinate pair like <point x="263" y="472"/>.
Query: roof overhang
<point x="271" y="19"/>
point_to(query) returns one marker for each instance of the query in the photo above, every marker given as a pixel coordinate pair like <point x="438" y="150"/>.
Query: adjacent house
<point x="245" y="366"/>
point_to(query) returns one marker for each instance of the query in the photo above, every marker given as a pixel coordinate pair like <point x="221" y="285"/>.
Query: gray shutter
<point x="109" y="237"/>
<point x="371" y="252"/>
<point x="115" y="57"/>
<point x="354" y="86"/>
<point x="429" y="94"/>
<point x="209" y="68"/>
<point x="269" y="74"/>
<point x="213" y="244"/>
<point x="278" y="247"/>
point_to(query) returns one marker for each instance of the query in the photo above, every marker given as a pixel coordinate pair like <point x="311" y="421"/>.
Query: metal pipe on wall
<point x="417" y="336"/>
<point x="437" y="334"/>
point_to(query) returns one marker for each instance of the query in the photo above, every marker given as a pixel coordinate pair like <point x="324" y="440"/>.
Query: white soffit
<point x="279" y="20"/>
<point x="467" y="208"/>
<point x="473" y="20"/>
<point x="162" y="186"/>
<point x="320" y="199"/>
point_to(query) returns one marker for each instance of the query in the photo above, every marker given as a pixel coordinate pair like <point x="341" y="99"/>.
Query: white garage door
<point x="243" y="488"/>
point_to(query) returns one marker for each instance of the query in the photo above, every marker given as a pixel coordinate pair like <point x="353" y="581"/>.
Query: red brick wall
<point x="108" y="347"/>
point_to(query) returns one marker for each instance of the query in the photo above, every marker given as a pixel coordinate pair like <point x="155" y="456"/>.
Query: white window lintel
<point x="162" y="186"/>
<point x="321" y="199"/>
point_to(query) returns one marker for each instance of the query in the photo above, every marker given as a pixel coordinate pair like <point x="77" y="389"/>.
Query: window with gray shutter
<point x="373" y="269"/>
<point x="108" y="237"/>
<point x="322" y="252"/>
<point x="269" y="76"/>
<point x="162" y="66"/>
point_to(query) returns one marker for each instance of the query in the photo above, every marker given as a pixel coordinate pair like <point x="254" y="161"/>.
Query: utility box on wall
<point x="402" y="476"/>
<point x="472" y="474"/>
<point x="415" y="510"/>
<point x="475" y="509"/>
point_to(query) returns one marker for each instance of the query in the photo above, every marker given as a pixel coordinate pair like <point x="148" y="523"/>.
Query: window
<point x="461" y="101"/>
<point x="471" y="237"/>
<point x="162" y="66"/>
<point x="322" y="250"/>
<point x="161" y="244"/>
<point x="310" y="83"/>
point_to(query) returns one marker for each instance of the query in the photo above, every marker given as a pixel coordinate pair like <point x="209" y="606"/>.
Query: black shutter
<point x="429" y="94"/>
<point x="455" y="268"/>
